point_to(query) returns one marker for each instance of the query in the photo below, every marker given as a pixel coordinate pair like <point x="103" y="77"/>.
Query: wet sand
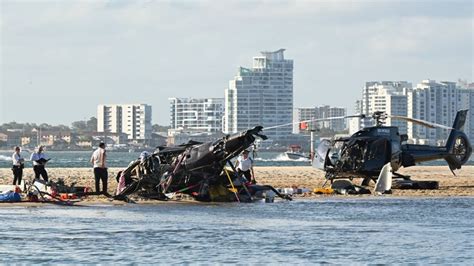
<point x="301" y="177"/>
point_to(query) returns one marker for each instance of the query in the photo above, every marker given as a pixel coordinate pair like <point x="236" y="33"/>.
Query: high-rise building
<point x="386" y="96"/>
<point x="197" y="114"/>
<point x="466" y="101"/>
<point x="321" y="112"/>
<point x="434" y="102"/>
<point x="262" y="95"/>
<point x="131" y="119"/>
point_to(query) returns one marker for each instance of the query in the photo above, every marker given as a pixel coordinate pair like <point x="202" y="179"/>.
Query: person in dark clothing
<point x="98" y="159"/>
<point x="17" y="167"/>
<point x="39" y="162"/>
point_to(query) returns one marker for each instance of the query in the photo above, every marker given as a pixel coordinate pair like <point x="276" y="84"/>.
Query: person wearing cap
<point x="39" y="160"/>
<point x="98" y="160"/>
<point x="18" y="165"/>
<point x="244" y="166"/>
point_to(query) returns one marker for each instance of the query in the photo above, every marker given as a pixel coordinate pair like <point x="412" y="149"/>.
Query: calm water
<point x="122" y="159"/>
<point x="334" y="230"/>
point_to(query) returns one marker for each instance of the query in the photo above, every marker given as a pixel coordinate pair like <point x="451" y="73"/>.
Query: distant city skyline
<point x="68" y="57"/>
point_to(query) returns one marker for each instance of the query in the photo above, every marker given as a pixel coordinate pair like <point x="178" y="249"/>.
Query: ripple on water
<point x="368" y="230"/>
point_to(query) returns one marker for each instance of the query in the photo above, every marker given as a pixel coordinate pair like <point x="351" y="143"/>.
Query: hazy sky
<point x="59" y="59"/>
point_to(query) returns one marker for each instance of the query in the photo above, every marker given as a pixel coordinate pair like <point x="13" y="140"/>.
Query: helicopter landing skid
<point x="405" y="177"/>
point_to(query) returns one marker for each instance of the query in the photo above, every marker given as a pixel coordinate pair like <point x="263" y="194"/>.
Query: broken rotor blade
<point x="420" y="122"/>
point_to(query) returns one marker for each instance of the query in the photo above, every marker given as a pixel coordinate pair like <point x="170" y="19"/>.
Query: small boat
<point x="294" y="153"/>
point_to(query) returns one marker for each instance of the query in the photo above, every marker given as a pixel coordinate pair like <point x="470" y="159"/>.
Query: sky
<point x="60" y="59"/>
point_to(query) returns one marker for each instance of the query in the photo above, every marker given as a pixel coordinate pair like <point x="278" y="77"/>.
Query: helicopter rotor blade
<point x="362" y="116"/>
<point x="420" y="122"/>
<point x="356" y="116"/>
<point x="314" y="120"/>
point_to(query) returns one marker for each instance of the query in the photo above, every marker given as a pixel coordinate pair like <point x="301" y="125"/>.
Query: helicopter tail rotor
<point x="459" y="150"/>
<point x="458" y="146"/>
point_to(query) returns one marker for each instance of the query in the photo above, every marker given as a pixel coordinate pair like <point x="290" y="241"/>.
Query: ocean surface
<point x="80" y="159"/>
<point x="330" y="230"/>
<point x="122" y="159"/>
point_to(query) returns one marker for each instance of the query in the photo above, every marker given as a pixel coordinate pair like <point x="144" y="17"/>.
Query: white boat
<point x="294" y="153"/>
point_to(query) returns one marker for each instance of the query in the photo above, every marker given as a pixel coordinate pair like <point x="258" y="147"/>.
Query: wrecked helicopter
<point x="378" y="152"/>
<point x="203" y="171"/>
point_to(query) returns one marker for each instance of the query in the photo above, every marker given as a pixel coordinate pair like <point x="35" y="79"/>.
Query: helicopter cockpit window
<point x="352" y="155"/>
<point x="323" y="148"/>
<point x="321" y="152"/>
<point x="335" y="152"/>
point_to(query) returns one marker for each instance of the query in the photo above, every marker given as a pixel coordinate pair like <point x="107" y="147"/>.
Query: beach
<point x="292" y="176"/>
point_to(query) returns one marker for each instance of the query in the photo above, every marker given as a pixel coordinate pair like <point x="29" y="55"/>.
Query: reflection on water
<point x="342" y="230"/>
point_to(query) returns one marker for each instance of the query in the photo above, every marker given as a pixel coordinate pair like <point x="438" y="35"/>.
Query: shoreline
<point x="313" y="198"/>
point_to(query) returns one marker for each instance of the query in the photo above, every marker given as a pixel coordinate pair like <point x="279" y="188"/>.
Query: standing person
<point x="39" y="162"/>
<point x="100" y="170"/>
<point x="18" y="165"/>
<point x="244" y="166"/>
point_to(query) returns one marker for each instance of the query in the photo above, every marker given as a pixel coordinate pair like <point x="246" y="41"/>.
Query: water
<point x="122" y="159"/>
<point x="327" y="230"/>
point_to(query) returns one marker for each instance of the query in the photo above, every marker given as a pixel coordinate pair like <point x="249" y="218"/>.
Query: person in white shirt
<point x="244" y="166"/>
<point x="39" y="160"/>
<point x="100" y="169"/>
<point x="18" y="165"/>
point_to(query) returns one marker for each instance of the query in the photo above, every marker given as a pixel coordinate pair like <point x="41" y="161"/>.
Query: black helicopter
<point x="369" y="152"/>
<point x="196" y="169"/>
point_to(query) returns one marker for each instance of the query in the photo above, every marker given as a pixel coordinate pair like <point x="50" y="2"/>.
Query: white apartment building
<point x="434" y="102"/>
<point x="262" y="95"/>
<point x="131" y="119"/>
<point x="386" y="96"/>
<point x="196" y="114"/>
<point x="109" y="118"/>
<point x="327" y="111"/>
<point x="466" y="101"/>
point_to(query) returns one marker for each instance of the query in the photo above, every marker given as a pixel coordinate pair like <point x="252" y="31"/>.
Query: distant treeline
<point x="80" y="126"/>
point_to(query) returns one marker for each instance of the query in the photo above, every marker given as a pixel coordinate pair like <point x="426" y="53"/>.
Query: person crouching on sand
<point x="39" y="160"/>
<point x="18" y="165"/>
<point x="244" y="166"/>
<point x="100" y="170"/>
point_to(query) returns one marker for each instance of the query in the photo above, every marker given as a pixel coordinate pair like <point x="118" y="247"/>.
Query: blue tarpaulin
<point x="10" y="197"/>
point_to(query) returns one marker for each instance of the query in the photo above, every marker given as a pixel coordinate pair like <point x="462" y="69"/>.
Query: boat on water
<point x="294" y="153"/>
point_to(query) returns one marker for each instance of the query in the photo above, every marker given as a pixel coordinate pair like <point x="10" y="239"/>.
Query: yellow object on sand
<point x="323" y="190"/>
<point x="233" y="189"/>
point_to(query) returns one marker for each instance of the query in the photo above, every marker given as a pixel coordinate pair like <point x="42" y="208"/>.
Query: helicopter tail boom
<point x="456" y="152"/>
